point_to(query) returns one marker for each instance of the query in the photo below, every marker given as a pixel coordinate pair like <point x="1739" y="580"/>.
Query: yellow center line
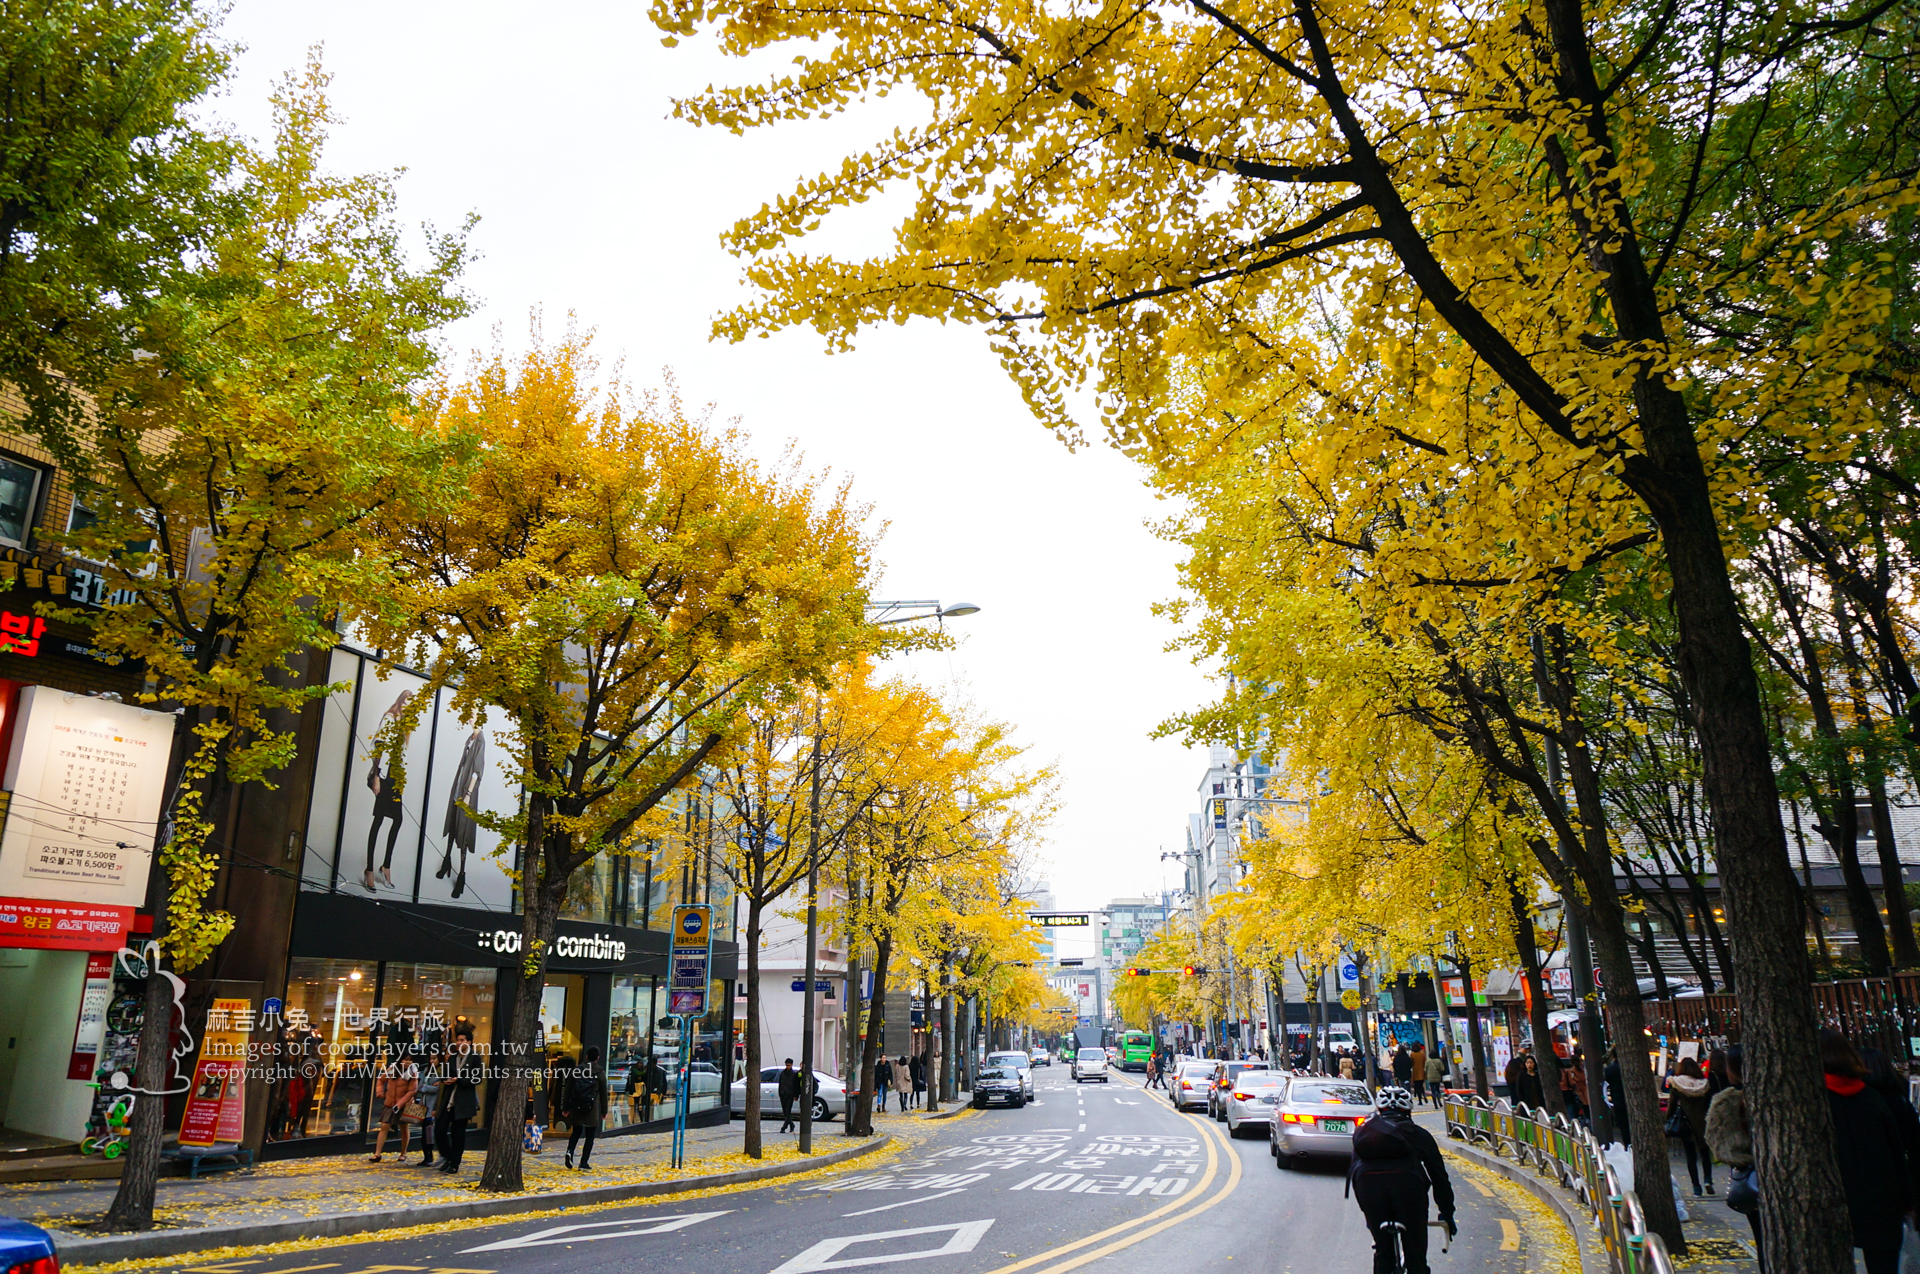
<point x="1509" y="1236"/>
<point x="1195" y="1204"/>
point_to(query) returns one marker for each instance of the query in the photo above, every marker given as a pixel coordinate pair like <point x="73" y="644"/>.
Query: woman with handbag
<point x="1730" y="1137"/>
<point x="400" y="1081"/>
<point x="586" y="1105"/>
<point x="1687" y="1119"/>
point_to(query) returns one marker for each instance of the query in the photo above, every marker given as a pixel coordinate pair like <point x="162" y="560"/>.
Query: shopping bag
<point x="1743" y="1196"/>
<point x="535" y="1138"/>
<point x="1679" y="1198"/>
<point x="1620" y="1159"/>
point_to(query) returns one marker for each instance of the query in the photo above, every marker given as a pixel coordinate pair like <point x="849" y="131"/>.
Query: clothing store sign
<point x="86" y="776"/>
<point x="598" y="947"/>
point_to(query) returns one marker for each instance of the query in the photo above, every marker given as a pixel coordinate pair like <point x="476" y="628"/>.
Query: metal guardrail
<point x="1569" y="1153"/>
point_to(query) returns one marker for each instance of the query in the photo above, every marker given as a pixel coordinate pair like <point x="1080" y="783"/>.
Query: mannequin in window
<point x="386" y="797"/>
<point x="458" y="826"/>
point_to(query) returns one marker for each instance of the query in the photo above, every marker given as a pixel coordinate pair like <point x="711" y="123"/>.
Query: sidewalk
<point x="340" y="1194"/>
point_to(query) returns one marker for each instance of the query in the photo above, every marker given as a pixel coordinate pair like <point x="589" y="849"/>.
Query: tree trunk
<point x="1652" y="954"/>
<point x="1893" y="885"/>
<point x="132" y="1207"/>
<point x="751" y="1145"/>
<point x="861" y="1122"/>
<point x="1526" y="943"/>
<point x="1626" y="1025"/>
<point x="1475" y="1040"/>
<point x="506" y="1122"/>
<point x="949" y="1089"/>
<point x="1710" y="926"/>
<point x="1842" y="831"/>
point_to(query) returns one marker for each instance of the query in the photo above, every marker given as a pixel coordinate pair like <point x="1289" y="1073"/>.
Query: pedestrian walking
<point x="789" y="1091"/>
<point x="431" y="1077"/>
<point x="653" y="1085"/>
<point x="1873" y="1165"/>
<point x="1395" y="1164"/>
<point x="1687" y="1119"/>
<point x="882" y="1081"/>
<point x="1417" y="1071"/>
<point x="1402" y="1066"/>
<point x="459" y="1101"/>
<point x="1883" y="1079"/>
<point x="1532" y="1088"/>
<point x="902" y="1081"/>
<point x="1730" y="1136"/>
<point x="1617" y="1099"/>
<point x="1153" y="1073"/>
<point x="917" y="1070"/>
<point x="399" y="1081"/>
<point x="585" y="1097"/>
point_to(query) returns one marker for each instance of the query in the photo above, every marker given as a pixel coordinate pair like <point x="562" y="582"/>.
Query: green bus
<point x="1135" y="1048"/>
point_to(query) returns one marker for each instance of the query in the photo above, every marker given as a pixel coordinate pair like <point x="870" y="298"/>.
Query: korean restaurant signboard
<point x="86" y="776"/>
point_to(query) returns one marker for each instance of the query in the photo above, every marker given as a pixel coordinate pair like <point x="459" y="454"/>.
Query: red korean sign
<point x="63" y="926"/>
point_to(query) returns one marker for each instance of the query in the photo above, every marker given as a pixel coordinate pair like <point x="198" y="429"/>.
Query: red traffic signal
<point x="1194" y="970"/>
<point x="1137" y="973"/>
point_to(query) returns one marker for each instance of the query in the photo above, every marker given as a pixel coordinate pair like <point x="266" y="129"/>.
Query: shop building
<point x="406" y="925"/>
<point x="82" y="770"/>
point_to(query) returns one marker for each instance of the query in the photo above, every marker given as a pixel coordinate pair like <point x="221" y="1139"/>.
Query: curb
<point x="120" y="1247"/>
<point x="1593" y="1258"/>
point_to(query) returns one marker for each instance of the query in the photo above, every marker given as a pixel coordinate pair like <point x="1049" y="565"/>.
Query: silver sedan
<point x="1250" y="1102"/>
<point x="1017" y="1062"/>
<point x="1188" y="1085"/>
<point x="829" y="1098"/>
<point x="1317" y="1116"/>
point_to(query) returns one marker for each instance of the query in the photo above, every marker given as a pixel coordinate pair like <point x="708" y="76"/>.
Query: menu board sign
<point x="86" y="777"/>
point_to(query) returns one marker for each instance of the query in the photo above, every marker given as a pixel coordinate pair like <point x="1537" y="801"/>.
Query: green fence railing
<point x="1567" y="1152"/>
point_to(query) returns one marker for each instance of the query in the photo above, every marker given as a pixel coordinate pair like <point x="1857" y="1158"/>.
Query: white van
<point x="1090" y="1063"/>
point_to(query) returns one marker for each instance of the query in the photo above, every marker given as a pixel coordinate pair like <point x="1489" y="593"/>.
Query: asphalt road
<point x="1102" y="1177"/>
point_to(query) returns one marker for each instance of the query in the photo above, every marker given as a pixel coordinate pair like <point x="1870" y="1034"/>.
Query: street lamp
<point x="897" y="612"/>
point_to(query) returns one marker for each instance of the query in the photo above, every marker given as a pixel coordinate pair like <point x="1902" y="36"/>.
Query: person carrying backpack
<point x="1395" y="1163"/>
<point x="586" y="1105"/>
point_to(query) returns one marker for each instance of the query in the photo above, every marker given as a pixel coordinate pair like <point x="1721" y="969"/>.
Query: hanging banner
<point x="63" y="926"/>
<point x="91" y="1028"/>
<point x="216" y="1102"/>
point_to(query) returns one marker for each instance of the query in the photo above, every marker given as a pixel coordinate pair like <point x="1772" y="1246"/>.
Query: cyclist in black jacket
<point x="1395" y="1163"/>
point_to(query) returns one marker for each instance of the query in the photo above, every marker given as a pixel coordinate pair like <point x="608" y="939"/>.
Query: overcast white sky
<point x="551" y="123"/>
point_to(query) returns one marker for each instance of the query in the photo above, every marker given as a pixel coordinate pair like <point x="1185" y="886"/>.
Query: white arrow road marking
<point x="904" y="1203"/>
<point x="962" y="1238"/>
<point x="565" y="1233"/>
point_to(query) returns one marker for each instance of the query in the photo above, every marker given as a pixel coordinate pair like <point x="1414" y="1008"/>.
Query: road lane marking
<point x="1234" y="1172"/>
<point x="1509" y="1236"/>
<point x="1198" y="1191"/>
<point x="569" y="1233"/>
<point x="1082" y="1127"/>
<point x="962" y="1237"/>
<point x="1482" y="1189"/>
<point x="904" y="1203"/>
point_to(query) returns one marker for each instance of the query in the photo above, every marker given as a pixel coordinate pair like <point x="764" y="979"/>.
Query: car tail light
<point x="1241" y="1096"/>
<point x="38" y="1265"/>
<point x="1186" y="1084"/>
<point x="1290" y="1118"/>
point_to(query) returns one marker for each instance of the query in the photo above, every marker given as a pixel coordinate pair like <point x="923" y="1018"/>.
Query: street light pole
<point x="808" y="1027"/>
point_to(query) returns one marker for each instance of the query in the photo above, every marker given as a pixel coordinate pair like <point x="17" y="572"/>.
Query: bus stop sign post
<point x="689" y="970"/>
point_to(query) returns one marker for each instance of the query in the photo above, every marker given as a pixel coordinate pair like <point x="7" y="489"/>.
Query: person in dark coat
<point x="584" y="1102"/>
<point x="882" y="1082"/>
<point x="1403" y="1067"/>
<point x="1873" y="1166"/>
<point x="790" y="1089"/>
<point x="1395" y="1163"/>
<point x="459" y="1101"/>
<point x="1882" y="1079"/>
<point x="1687" y="1096"/>
<point x="917" y="1071"/>
<point x="1617" y="1100"/>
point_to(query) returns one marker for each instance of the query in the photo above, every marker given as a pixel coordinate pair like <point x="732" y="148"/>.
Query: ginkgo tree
<point x="1616" y="241"/>
<point x="627" y="588"/>
<point x="225" y="474"/>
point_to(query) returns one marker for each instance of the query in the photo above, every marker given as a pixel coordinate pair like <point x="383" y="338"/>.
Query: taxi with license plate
<point x="1316" y="1115"/>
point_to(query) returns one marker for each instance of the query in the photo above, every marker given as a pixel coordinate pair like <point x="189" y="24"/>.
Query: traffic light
<point x="1136" y="973"/>
<point x="1194" y="971"/>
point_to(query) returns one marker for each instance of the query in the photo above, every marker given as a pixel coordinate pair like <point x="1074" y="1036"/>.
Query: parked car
<point x="1224" y="1073"/>
<point x="1317" y="1116"/>
<point x="1000" y="1085"/>
<point x="1090" y="1063"/>
<point x="1016" y="1061"/>
<point x="25" y="1248"/>
<point x="1188" y="1084"/>
<point x="1249" y="1103"/>
<point x="829" y="1095"/>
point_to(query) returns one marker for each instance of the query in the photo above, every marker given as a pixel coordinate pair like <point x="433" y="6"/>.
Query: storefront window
<point x="324" y="1049"/>
<point x="629" y="1045"/>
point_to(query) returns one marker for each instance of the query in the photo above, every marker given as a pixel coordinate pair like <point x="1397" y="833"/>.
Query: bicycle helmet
<point x="1393" y="1097"/>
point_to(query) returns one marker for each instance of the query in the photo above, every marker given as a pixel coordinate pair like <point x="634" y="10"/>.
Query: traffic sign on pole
<point x="689" y="971"/>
